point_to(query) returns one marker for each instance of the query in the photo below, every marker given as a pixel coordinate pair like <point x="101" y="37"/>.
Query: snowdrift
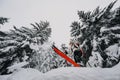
<point x="26" y="74"/>
<point x="68" y="73"/>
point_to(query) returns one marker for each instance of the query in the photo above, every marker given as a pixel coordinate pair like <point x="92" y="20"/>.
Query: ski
<point x="60" y="53"/>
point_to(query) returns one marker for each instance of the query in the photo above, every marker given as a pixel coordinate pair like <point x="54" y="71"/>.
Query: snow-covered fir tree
<point x="98" y="32"/>
<point x="3" y="20"/>
<point x="29" y="45"/>
<point x="16" y="45"/>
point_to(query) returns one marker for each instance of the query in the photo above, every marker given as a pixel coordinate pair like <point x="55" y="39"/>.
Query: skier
<point x="63" y="55"/>
<point x="77" y="52"/>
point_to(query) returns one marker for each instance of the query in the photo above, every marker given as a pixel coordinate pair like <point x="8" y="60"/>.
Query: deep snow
<point x="67" y="73"/>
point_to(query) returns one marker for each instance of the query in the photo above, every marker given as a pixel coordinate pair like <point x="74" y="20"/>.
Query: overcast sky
<point x="60" y="14"/>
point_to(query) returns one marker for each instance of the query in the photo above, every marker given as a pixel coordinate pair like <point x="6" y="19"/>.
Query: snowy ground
<point x="68" y="73"/>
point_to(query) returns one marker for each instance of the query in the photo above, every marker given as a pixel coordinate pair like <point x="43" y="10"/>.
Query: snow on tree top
<point x="17" y="66"/>
<point x="107" y="29"/>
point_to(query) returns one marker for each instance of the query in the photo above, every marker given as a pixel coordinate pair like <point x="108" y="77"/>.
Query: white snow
<point x="94" y="43"/>
<point x="34" y="46"/>
<point x="95" y="60"/>
<point x="17" y="66"/>
<point x="112" y="51"/>
<point x="83" y="27"/>
<point x="117" y="35"/>
<point x="107" y="29"/>
<point x="83" y="74"/>
<point x="67" y="73"/>
<point x="4" y="77"/>
<point x="26" y="74"/>
<point x="8" y="48"/>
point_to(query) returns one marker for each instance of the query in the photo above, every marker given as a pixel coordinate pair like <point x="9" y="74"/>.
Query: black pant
<point x="77" y="56"/>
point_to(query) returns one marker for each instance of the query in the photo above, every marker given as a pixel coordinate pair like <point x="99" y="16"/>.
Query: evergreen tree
<point x="18" y="45"/>
<point x="29" y="45"/>
<point x="3" y="20"/>
<point x="97" y="31"/>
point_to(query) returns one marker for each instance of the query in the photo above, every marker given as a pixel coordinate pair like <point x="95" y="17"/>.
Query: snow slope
<point x="26" y="74"/>
<point x="68" y="73"/>
<point x="84" y="74"/>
